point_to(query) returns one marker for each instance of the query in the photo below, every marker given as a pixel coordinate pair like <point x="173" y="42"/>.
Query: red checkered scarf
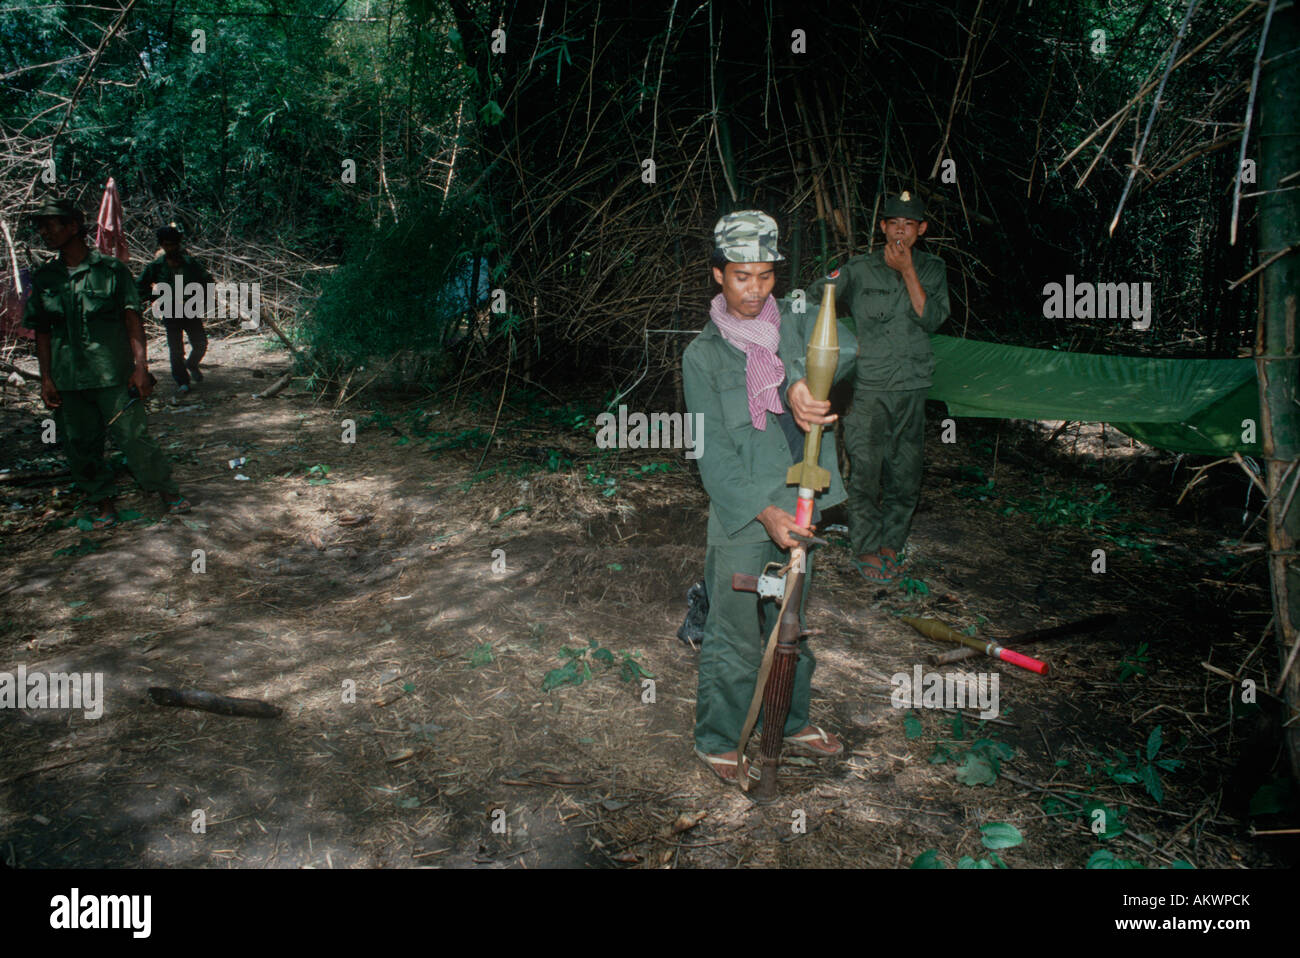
<point x="758" y="339"/>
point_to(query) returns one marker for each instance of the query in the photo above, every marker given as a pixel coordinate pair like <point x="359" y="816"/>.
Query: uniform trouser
<point x="884" y="434"/>
<point x="81" y="424"/>
<point x="735" y="635"/>
<point x="177" y="330"/>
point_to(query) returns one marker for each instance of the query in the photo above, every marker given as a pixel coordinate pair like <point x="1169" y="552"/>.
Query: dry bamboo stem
<point x="1147" y="87"/>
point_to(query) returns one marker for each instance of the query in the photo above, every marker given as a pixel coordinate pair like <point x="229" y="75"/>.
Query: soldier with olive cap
<point x="744" y="373"/>
<point x="175" y="265"/>
<point x="91" y="348"/>
<point x="897" y="296"/>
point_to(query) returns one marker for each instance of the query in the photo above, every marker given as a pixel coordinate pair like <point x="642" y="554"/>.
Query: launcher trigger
<point x="808" y="541"/>
<point x="767" y="585"/>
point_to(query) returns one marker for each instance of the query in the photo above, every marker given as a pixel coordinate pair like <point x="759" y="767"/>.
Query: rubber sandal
<point x="105" y="520"/>
<point x="712" y="762"/>
<point x="804" y="742"/>
<point x="872" y="572"/>
<point x="179" y="504"/>
<point x="895" y="564"/>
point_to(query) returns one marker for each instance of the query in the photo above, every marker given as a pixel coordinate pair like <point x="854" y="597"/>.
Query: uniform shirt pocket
<point x="99" y="298"/>
<point x="875" y="304"/>
<point x="735" y="407"/>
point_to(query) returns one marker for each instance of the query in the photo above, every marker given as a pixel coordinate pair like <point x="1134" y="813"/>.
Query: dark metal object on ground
<point x="210" y="702"/>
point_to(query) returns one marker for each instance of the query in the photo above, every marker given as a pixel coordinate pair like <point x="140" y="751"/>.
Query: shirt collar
<point x="93" y="256"/>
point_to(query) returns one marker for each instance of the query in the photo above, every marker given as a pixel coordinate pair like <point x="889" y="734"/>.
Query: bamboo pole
<point x="1279" y="375"/>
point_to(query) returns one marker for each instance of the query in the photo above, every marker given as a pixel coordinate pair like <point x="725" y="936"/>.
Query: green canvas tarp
<point x="1184" y="405"/>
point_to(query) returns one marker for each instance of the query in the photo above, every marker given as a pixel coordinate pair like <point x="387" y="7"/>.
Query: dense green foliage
<point x="246" y="127"/>
<point x="378" y="303"/>
<point x="529" y="125"/>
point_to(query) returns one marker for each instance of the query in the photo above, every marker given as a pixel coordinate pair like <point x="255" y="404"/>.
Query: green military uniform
<point x="744" y="470"/>
<point x="82" y="310"/>
<point x="885" y="429"/>
<point x="178" y="327"/>
<point x="158" y="271"/>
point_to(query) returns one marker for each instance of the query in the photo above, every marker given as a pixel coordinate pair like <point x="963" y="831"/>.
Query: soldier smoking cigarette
<point x="906" y="302"/>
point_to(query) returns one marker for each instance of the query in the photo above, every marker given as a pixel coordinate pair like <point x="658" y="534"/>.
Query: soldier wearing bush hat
<point x="744" y="374"/>
<point x="94" y="372"/>
<point x="63" y="210"/>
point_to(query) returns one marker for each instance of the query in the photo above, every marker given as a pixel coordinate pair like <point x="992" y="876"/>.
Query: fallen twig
<point x="34" y="477"/>
<point x="41" y="768"/>
<point x="276" y="387"/>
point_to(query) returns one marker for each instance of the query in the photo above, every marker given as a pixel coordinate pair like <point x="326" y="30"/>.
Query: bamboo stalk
<point x="952" y="107"/>
<point x="1155" y="107"/>
<point x="1250" y="110"/>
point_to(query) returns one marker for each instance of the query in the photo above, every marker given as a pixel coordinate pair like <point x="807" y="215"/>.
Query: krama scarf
<point x="758" y="339"/>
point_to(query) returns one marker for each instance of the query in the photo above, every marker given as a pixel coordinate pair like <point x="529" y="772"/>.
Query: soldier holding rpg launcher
<point x="745" y="373"/>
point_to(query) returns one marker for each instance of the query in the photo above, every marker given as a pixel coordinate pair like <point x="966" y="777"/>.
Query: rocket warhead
<point x="823" y="356"/>
<point x="823" y="347"/>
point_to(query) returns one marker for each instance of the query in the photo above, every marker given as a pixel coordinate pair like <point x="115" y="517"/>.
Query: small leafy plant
<point x="578" y="667"/>
<point x="1144" y="768"/>
<point x="607" y="484"/>
<point x="994" y="836"/>
<point x="913" y="587"/>
<point x="979" y="764"/>
<point x="649" y="469"/>
<point x="632" y="670"/>
<point x="1135" y="664"/>
<point x="480" y="656"/>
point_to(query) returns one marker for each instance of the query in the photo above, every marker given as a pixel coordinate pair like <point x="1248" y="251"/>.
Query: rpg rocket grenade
<point x="823" y="355"/>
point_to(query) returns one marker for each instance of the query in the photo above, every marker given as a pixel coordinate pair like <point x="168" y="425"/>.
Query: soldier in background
<point x="164" y="270"/>
<point x="94" y="370"/>
<point x="897" y="296"/>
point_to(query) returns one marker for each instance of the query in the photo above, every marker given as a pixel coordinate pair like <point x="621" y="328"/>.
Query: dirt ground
<point x="406" y="617"/>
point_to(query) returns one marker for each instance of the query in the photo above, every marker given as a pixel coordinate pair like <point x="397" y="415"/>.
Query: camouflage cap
<point x="63" y="209"/>
<point x="905" y="204"/>
<point x="747" y="236"/>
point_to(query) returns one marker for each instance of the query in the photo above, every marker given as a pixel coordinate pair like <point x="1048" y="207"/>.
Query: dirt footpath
<point x="424" y="633"/>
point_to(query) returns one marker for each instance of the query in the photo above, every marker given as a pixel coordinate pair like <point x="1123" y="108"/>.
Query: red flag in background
<point x="109" y="238"/>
